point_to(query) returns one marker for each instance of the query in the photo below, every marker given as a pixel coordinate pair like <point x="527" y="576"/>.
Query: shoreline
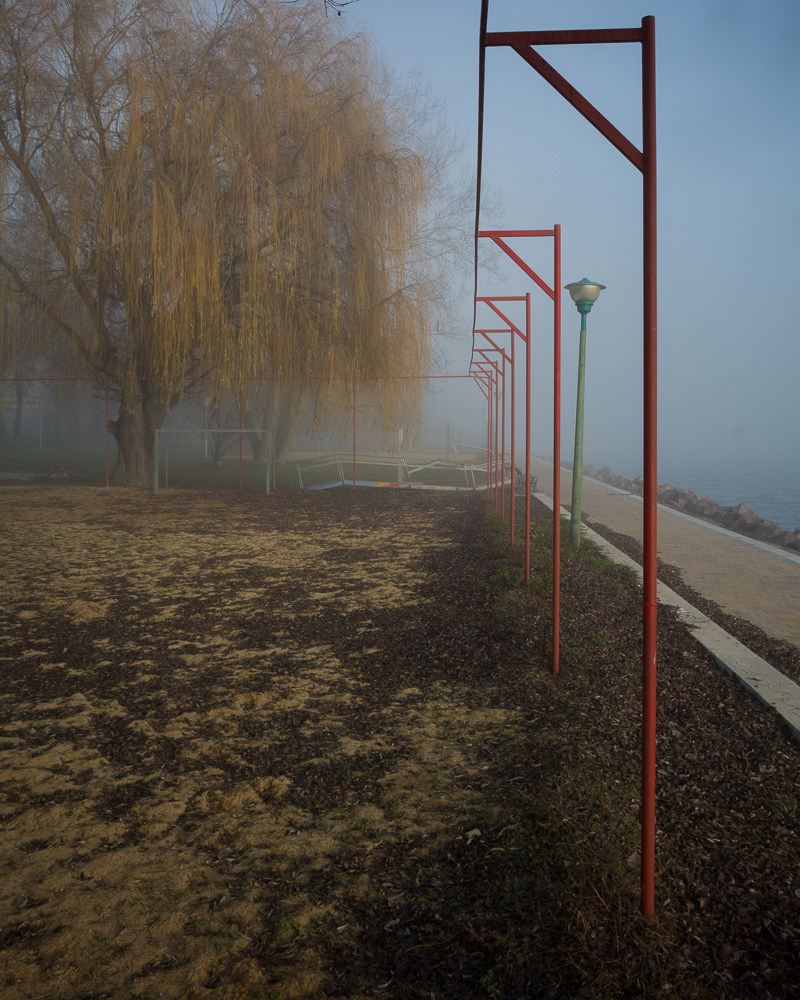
<point x="739" y="517"/>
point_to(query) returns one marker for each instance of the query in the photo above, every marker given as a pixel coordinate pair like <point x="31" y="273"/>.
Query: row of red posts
<point x="489" y="361"/>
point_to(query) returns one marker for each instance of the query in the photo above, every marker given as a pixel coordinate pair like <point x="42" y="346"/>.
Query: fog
<point x="728" y="80"/>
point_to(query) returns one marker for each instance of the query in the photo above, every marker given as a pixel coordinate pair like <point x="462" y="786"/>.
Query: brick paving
<point x="758" y="582"/>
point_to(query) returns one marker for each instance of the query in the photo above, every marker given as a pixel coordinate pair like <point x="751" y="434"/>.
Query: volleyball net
<point x="58" y="430"/>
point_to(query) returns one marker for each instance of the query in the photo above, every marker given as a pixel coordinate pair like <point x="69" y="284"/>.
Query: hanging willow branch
<point x="224" y="195"/>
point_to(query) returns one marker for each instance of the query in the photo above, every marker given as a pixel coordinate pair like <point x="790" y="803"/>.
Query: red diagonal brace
<point x="485" y="333"/>
<point x="521" y="42"/>
<point x="490" y="302"/>
<point x="520" y="262"/>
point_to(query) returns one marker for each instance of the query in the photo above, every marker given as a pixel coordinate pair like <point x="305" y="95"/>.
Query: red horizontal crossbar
<point x="586" y="36"/>
<point x="509" y="233"/>
<point x="500" y="298"/>
<point x="248" y="378"/>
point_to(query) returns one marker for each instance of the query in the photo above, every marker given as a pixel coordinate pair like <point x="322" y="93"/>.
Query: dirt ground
<point x="291" y="747"/>
<point x="179" y="726"/>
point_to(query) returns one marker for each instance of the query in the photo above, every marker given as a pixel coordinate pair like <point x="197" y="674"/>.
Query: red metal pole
<point x="490" y="301"/>
<point x="503" y="450"/>
<point x="239" y="411"/>
<point x="107" y="419"/>
<point x="493" y="405"/>
<point x="496" y="433"/>
<point x="354" y="432"/>
<point x="556" y="446"/>
<point x="497" y="236"/>
<point x="499" y="425"/>
<point x="650" y="580"/>
<point x="513" y="422"/>
<point x="489" y="439"/>
<point x="527" y="437"/>
<point x="488" y="432"/>
<point x="645" y="161"/>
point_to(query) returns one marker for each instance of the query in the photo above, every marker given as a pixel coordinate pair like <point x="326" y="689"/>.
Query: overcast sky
<point x="729" y="209"/>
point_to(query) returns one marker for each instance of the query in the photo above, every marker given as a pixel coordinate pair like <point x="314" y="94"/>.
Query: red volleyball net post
<point x="482" y="379"/>
<point x="494" y="368"/>
<point x="499" y="237"/>
<point x="108" y="417"/>
<point x="510" y="361"/>
<point x="492" y="301"/>
<point x="486" y="373"/>
<point x="500" y="422"/>
<point x="644" y="161"/>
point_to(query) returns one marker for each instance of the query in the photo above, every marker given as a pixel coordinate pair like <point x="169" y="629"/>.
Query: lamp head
<point x="584" y="294"/>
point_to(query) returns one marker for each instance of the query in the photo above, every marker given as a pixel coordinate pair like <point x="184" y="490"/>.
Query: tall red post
<point x="650" y="582"/>
<point x="503" y="446"/>
<point x="556" y="447"/>
<point x="239" y="411"/>
<point x="354" y="432"/>
<point x="496" y="433"/>
<point x="499" y="462"/>
<point x="489" y="436"/>
<point x="499" y="238"/>
<point x="108" y="417"/>
<point x="527" y="437"/>
<point x="645" y="161"/>
<point x="492" y="301"/>
<point x="513" y="424"/>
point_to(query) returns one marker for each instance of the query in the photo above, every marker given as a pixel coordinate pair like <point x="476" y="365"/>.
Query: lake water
<point x="771" y="489"/>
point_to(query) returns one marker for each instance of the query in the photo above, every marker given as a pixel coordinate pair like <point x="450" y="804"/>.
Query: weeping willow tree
<point x="194" y="193"/>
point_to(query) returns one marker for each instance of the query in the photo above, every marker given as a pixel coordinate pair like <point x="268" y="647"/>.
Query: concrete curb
<point x="768" y="684"/>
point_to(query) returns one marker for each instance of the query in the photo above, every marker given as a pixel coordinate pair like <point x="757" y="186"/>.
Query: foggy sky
<point x="727" y="89"/>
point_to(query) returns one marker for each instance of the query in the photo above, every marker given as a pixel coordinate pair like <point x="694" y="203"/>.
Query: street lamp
<point x="584" y="294"/>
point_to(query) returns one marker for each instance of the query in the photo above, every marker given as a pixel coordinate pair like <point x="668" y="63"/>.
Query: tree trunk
<point x="134" y="431"/>
<point x="262" y="407"/>
<point x="59" y="411"/>
<point x="258" y="446"/>
<point x="4" y="446"/>
<point x="19" y="387"/>
<point x="286" y="424"/>
<point x="256" y="440"/>
<point x="278" y="409"/>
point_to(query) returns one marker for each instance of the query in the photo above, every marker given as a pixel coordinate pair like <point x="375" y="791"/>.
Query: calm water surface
<point x="772" y="490"/>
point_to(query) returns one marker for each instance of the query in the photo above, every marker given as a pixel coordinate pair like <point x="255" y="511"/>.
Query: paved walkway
<point x="750" y="579"/>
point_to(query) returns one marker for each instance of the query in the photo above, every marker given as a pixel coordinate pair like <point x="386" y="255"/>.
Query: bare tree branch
<point x="329" y="5"/>
<point x="226" y="190"/>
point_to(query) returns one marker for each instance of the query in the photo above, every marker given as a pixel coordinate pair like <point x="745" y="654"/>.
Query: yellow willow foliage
<point x="218" y="195"/>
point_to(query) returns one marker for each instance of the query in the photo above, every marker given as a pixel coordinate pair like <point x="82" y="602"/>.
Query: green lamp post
<point x="584" y="294"/>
